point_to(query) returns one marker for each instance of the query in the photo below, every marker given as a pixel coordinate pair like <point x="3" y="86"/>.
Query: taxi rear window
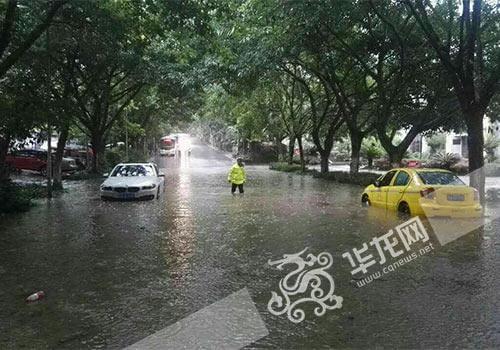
<point x="439" y="178"/>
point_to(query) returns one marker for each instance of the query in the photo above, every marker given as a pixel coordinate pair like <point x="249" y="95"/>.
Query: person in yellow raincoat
<point x="237" y="176"/>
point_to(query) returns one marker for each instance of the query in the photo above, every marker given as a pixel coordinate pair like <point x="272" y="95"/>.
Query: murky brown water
<point x="115" y="272"/>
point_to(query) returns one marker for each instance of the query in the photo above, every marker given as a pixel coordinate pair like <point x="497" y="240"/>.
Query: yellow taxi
<point x="428" y="192"/>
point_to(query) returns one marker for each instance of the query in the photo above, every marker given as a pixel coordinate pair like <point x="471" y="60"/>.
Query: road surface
<point x="116" y="272"/>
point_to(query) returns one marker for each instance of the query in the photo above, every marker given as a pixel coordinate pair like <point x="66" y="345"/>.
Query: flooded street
<point x="116" y="272"/>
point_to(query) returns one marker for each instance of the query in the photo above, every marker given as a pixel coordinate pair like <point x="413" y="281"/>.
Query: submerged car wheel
<point x="365" y="201"/>
<point x="404" y="209"/>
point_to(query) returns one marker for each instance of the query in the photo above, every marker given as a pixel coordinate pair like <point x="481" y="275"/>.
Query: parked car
<point x="428" y="192"/>
<point x="36" y="160"/>
<point x="133" y="181"/>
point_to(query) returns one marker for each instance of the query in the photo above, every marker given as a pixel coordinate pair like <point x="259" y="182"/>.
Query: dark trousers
<point x="233" y="188"/>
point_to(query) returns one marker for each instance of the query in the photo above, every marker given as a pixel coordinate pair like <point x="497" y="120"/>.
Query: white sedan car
<point x="133" y="181"/>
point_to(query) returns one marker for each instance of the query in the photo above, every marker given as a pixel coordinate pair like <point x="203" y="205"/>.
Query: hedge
<point x="17" y="198"/>
<point x="361" y="178"/>
<point x="283" y="166"/>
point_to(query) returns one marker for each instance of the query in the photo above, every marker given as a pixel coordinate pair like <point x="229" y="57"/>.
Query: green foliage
<point x="361" y="178"/>
<point x="443" y="160"/>
<point x="437" y="143"/>
<point x="285" y="167"/>
<point x="342" y="149"/>
<point x="18" y="198"/>
<point x="491" y="145"/>
<point x="372" y="149"/>
<point x="119" y="155"/>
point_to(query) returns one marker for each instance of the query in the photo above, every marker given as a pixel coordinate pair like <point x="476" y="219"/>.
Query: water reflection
<point x="180" y="238"/>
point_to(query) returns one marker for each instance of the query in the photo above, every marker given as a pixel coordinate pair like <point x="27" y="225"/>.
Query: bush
<point x="490" y="147"/>
<point x="371" y="149"/>
<point x="118" y="155"/>
<point x="17" y="198"/>
<point x="362" y="179"/>
<point x="461" y="168"/>
<point x="443" y="160"/>
<point x="382" y="164"/>
<point x="112" y="157"/>
<point x="82" y="175"/>
<point x="282" y="166"/>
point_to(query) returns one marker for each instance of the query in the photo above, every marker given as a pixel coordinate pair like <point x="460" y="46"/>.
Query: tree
<point x="466" y="45"/>
<point x="437" y="143"/>
<point x="371" y="149"/>
<point x="14" y="42"/>
<point x="20" y="29"/>
<point x="290" y="101"/>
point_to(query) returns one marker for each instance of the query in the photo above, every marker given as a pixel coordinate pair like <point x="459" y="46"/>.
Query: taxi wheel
<point x="404" y="209"/>
<point x="365" y="201"/>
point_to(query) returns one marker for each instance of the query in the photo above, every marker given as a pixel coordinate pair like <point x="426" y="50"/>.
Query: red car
<point x="35" y="160"/>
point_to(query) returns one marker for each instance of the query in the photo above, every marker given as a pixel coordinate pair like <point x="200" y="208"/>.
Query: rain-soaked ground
<point x="116" y="272"/>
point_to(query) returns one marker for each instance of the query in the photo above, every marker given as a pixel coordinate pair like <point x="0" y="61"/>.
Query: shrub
<point x="362" y="178"/>
<point x="383" y="164"/>
<point x="461" y="168"/>
<point x="118" y="155"/>
<point x="443" y="160"/>
<point x="112" y="157"/>
<point x="17" y="198"/>
<point x="490" y="147"/>
<point x="82" y="175"/>
<point x="282" y="166"/>
<point x="371" y="149"/>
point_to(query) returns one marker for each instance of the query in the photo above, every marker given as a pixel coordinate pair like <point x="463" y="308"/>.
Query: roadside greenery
<point x="286" y="167"/>
<point x="18" y="198"/>
<point x="361" y="178"/>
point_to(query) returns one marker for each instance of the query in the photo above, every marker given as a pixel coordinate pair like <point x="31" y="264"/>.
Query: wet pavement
<point x="116" y="272"/>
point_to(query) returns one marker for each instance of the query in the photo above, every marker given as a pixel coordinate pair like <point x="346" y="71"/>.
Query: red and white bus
<point x="167" y="146"/>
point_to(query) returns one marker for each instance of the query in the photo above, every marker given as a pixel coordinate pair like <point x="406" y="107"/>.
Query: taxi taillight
<point x="476" y="195"/>
<point x="429" y="193"/>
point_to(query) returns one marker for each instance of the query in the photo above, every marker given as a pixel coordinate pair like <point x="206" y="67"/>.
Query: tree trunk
<point x="324" y="162"/>
<point x="356" y="140"/>
<point x="291" y="146"/>
<point x="301" y="152"/>
<point x="476" y="152"/>
<point x="98" y="146"/>
<point x="61" y="144"/>
<point x="396" y="157"/>
<point x="370" y="162"/>
<point x="4" y="148"/>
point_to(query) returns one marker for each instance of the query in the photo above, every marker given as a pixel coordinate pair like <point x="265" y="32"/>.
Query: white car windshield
<point x="133" y="170"/>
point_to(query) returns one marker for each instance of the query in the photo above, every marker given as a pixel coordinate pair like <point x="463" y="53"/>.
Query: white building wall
<point x="452" y="145"/>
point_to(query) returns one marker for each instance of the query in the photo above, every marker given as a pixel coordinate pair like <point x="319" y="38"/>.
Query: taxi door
<point x="396" y="191"/>
<point x="381" y="194"/>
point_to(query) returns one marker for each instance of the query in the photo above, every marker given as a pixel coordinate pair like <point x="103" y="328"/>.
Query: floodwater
<point x="116" y="272"/>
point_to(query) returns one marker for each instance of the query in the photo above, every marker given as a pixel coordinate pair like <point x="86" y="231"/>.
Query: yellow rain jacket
<point x="236" y="175"/>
